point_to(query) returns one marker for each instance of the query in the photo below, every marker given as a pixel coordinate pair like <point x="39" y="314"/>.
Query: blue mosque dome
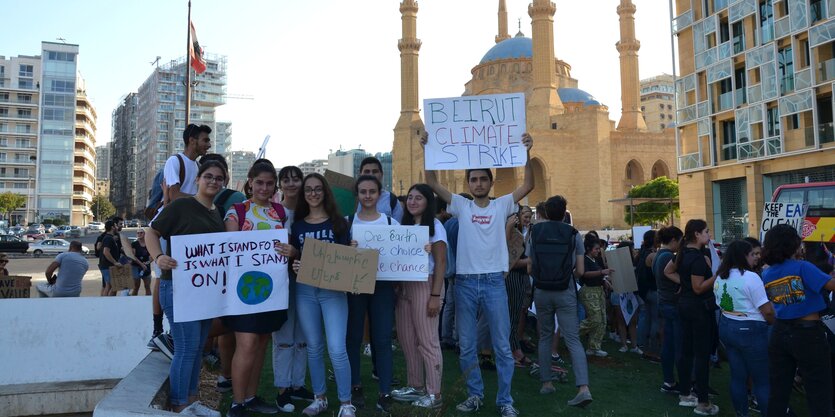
<point x="576" y="95"/>
<point x="517" y="47"/>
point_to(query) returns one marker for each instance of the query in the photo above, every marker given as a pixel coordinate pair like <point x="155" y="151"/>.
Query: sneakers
<point x="688" y="400"/>
<point x="581" y="400"/>
<point x="151" y="344"/>
<point x="596" y="352"/>
<point x="669" y="389"/>
<point x="636" y="350"/>
<point x="258" y="405"/>
<point x="237" y="410"/>
<point x="317" y="406"/>
<point x="357" y="397"/>
<point x="347" y="410"/>
<point x="223" y="384"/>
<point x="557" y="359"/>
<point x="706" y="410"/>
<point x="284" y="401"/>
<point x="473" y="403"/>
<point x="384" y="403"/>
<point x="428" y="401"/>
<point x="508" y="411"/>
<point x="407" y="394"/>
<point x="623" y="349"/>
<point x="165" y="343"/>
<point x="301" y="394"/>
<point x="198" y="409"/>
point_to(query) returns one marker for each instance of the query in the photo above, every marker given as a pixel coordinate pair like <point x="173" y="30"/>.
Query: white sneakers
<point x="199" y="409"/>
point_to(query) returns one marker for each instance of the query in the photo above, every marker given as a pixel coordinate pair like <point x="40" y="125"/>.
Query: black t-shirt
<point x="301" y="230"/>
<point x="109" y="242"/>
<point x="667" y="290"/>
<point x="592" y="266"/>
<point x="141" y="252"/>
<point x="185" y="216"/>
<point x="693" y="263"/>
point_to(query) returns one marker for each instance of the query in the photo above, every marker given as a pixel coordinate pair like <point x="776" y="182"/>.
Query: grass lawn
<point x="621" y="385"/>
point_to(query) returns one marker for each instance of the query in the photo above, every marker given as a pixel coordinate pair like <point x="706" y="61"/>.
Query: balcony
<point x="725" y="102"/>
<point x="84" y="167"/>
<point x="751" y="150"/>
<point x="826" y="132"/>
<point x="84" y="195"/>
<point x="85" y="125"/>
<point x="740" y="96"/>
<point x="690" y="161"/>
<point x="84" y="153"/>
<point x="773" y="146"/>
<point x="826" y="70"/>
<point x="87" y="140"/>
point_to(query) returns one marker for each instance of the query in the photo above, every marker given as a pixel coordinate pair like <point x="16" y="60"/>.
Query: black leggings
<point x="697" y="333"/>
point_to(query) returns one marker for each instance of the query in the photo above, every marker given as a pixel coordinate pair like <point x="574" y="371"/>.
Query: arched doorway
<point x="659" y="169"/>
<point x="504" y="181"/>
<point x="633" y="176"/>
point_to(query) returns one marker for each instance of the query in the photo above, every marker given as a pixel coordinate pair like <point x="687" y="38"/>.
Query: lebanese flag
<point x="196" y="52"/>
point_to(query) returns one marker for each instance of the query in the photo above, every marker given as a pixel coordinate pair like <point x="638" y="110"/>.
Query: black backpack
<point x="553" y="245"/>
<point x="97" y="247"/>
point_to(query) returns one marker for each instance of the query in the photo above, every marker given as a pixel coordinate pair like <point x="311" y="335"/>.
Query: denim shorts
<point x="105" y="276"/>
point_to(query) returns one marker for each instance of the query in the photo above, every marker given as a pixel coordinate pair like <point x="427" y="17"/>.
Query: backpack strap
<point x="240" y="211"/>
<point x="224" y="197"/>
<point x="388" y="218"/>
<point x="182" y="169"/>
<point x="279" y="209"/>
<point x="393" y="203"/>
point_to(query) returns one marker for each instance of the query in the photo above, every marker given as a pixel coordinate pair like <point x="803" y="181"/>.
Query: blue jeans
<point x="746" y="343"/>
<point x="671" y="345"/>
<point x="648" y="321"/>
<point x="313" y="306"/>
<point x="485" y="293"/>
<point x="105" y="276"/>
<point x="189" y="338"/>
<point x="380" y="309"/>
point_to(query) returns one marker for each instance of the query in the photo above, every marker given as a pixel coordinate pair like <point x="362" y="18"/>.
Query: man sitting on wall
<point x="71" y="268"/>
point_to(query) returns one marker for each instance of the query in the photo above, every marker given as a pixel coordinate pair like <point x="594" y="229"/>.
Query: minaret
<point x="502" y="22"/>
<point x="631" y="116"/>
<point x="544" y="101"/>
<point x="407" y="155"/>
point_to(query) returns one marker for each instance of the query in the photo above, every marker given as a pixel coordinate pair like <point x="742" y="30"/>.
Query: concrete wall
<point x="72" y="339"/>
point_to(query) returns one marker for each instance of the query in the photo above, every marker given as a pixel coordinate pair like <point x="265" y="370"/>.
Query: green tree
<point x="726" y="302"/>
<point x="102" y="208"/>
<point x="653" y="212"/>
<point x="10" y="202"/>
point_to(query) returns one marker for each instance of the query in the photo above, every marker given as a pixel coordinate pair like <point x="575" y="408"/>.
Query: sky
<point x="324" y="74"/>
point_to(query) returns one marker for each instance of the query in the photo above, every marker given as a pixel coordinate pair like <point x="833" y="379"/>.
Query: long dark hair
<point x="259" y="167"/>
<point x="426" y="218"/>
<point x="340" y="226"/>
<point x="735" y="258"/>
<point x="781" y="243"/>
<point x="693" y="226"/>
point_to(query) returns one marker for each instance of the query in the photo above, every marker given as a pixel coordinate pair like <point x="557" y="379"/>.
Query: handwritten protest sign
<point x="121" y="277"/>
<point x="15" y="286"/>
<point x="775" y="213"/>
<point x="228" y="274"/>
<point x="623" y="276"/>
<point x="401" y="248"/>
<point x="475" y="132"/>
<point x="338" y="267"/>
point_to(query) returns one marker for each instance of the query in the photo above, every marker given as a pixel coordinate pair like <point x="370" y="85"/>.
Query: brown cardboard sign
<point x="623" y="277"/>
<point x="14" y="286"/>
<point x="338" y="267"/>
<point x="121" y="277"/>
<point x="337" y="180"/>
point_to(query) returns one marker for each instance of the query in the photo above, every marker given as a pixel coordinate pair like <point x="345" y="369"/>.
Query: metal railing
<point x="690" y="161"/>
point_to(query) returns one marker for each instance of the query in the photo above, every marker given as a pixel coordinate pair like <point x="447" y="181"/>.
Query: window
<point x="23" y="98"/>
<point x="61" y="56"/>
<point x="773" y="121"/>
<point x="662" y="126"/>
<point x="816" y="10"/>
<point x="26" y="70"/>
<point x="728" y="140"/>
<point x="738" y="37"/>
<point x="24" y="113"/>
<point x="59" y="100"/>
<point x="24" y="84"/>
<point x="57" y="114"/>
<point x="793" y="122"/>
<point x="4" y="96"/>
<point x="785" y="66"/>
<point x="766" y="22"/>
<point x="4" y="111"/>
<point x="669" y="107"/>
<point x="661" y="106"/>
<point x="739" y="78"/>
<point x="59" y="86"/>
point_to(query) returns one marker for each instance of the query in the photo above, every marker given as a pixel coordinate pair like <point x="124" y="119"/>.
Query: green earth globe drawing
<point x="254" y="287"/>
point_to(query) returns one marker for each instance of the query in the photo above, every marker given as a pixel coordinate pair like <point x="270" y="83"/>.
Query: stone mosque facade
<point x="578" y="151"/>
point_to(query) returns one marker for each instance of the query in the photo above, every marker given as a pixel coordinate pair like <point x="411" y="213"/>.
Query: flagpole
<point x="188" y="65"/>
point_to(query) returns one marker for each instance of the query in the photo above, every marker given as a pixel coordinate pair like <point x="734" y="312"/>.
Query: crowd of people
<point x="494" y="263"/>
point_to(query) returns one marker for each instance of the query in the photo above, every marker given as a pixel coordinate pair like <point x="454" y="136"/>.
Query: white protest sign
<point x="638" y="235"/>
<point x="715" y="260"/>
<point x="475" y="132"/>
<point x="402" y="253"/>
<point x="775" y="213"/>
<point x="628" y="305"/>
<point x="228" y="274"/>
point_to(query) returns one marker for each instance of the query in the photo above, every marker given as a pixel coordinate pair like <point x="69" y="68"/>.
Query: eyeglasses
<point x="210" y="178"/>
<point x="317" y="190"/>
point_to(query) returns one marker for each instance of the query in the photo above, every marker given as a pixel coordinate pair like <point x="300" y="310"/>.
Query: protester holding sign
<point x="289" y="346"/>
<point x="593" y="297"/>
<point x="317" y="217"/>
<point x="479" y="279"/>
<point x="696" y="306"/>
<point x="253" y="331"/>
<point x="379" y="306"/>
<point x="387" y="203"/>
<point x="186" y="216"/>
<point x="798" y="339"/>
<point x="418" y="308"/>
<point x="668" y="290"/>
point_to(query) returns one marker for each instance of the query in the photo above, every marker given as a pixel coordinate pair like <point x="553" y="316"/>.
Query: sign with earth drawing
<point x="228" y="274"/>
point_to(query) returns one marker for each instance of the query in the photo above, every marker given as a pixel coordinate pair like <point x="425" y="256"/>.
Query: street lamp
<point x="29" y="182"/>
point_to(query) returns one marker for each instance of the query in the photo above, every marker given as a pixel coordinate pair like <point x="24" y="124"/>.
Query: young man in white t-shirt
<point x="481" y="263"/>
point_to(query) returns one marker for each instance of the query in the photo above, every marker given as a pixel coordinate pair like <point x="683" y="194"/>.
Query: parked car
<point x="53" y="246"/>
<point x="49" y="228"/>
<point x="74" y="232"/>
<point x="97" y="226"/>
<point x="13" y="244"/>
<point x="16" y="230"/>
<point x="60" y="231"/>
<point x="35" y="233"/>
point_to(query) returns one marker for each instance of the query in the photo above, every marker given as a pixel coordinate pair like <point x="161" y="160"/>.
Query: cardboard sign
<point x="121" y="277"/>
<point x="628" y="305"/>
<point x="475" y="132"/>
<point x="775" y="213"/>
<point x="401" y="249"/>
<point x="623" y="277"/>
<point x="14" y="286"/>
<point x="228" y="274"/>
<point x="338" y="267"/>
<point x="638" y="235"/>
<point x="342" y="187"/>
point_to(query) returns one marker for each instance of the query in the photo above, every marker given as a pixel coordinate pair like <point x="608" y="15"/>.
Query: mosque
<point x="578" y="152"/>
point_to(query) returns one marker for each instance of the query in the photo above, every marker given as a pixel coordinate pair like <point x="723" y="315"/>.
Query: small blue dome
<point x="576" y="95"/>
<point x="518" y="47"/>
<point x="592" y="103"/>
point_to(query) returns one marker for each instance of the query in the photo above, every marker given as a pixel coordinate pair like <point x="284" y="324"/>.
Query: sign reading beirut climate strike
<point x="401" y="248"/>
<point x="228" y="274"/>
<point x="475" y="132"/>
